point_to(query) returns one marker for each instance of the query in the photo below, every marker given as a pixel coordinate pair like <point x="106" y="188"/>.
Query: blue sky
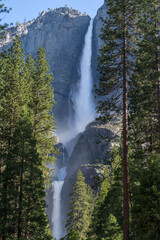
<point x="29" y="9"/>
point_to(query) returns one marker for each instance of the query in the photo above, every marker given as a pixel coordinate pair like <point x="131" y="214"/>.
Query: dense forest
<point x="127" y="203"/>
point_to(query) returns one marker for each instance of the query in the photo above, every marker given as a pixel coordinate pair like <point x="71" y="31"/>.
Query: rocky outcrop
<point x="61" y="32"/>
<point x="91" y="146"/>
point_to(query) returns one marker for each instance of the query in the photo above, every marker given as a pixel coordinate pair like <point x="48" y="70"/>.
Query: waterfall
<point x="84" y="112"/>
<point x="56" y="215"/>
<point x="84" y="104"/>
<point x="57" y="189"/>
<point x="81" y="102"/>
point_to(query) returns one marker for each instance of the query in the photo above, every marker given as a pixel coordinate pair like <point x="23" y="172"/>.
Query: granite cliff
<point x="61" y="33"/>
<point x="97" y="42"/>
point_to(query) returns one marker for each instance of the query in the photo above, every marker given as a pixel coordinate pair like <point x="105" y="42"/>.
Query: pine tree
<point x="115" y="67"/>
<point x="12" y="64"/>
<point x="113" y="230"/>
<point x="3" y="9"/>
<point x="22" y="188"/>
<point x="80" y="209"/>
<point x="41" y="104"/>
<point x="26" y="216"/>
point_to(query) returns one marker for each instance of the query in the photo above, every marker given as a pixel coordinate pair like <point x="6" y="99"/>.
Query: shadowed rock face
<point x="61" y="32"/>
<point x="90" y="147"/>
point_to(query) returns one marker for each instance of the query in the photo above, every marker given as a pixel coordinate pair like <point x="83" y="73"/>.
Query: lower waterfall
<point x="56" y="215"/>
<point x="84" y="112"/>
<point x="57" y="185"/>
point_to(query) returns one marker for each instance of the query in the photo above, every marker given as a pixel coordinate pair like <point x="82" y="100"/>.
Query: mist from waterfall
<point x="82" y="112"/>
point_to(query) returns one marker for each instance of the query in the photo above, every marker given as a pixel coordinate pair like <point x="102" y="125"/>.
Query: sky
<point x="26" y="10"/>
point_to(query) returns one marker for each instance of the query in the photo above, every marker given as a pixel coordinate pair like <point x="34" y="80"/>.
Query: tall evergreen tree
<point x="80" y="209"/>
<point x="41" y="104"/>
<point x="12" y="65"/>
<point x="115" y="66"/>
<point x="22" y="191"/>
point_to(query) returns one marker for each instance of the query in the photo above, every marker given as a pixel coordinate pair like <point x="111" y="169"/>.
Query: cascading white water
<point x="84" y="112"/>
<point x="56" y="215"/>
<point x="84" y="104"/>
<point x="81" y="99"/>
<point x="57" y="188"/>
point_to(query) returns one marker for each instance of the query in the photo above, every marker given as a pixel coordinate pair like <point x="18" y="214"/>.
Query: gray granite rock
<point x="97" y="42"/>
<point x="61" y="32"/>
<point x="91" y="146"/>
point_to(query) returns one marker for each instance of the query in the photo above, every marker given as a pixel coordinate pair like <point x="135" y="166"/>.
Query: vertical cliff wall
<point x="97" y="42"/>
<point x="61" y="32"/>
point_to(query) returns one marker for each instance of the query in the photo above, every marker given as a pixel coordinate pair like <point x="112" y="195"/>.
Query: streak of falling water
<point x="57" y="189"/>
<point x="84" y="104"/>
<point x="81" y="102"/>
<point x="84" y="112"/>
<point x="56" y="215"/>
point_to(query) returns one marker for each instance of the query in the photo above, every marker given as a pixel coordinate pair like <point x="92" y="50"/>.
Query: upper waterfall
<point x="84" y="104"/>
<point x="82" y="98"/>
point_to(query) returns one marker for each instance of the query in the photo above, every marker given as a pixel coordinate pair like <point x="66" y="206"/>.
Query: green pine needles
<point x="81" y="206"/>
<point x="26" y="143"/>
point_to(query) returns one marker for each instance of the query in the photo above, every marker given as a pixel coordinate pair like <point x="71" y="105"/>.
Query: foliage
<point x="146" y="201"/>
<point x="3" y="9"/>
<point x="107" y="215"/>
<point x="115" y="65"/>
<point x="22" y="187"/>
<point x="144" y="94"/>
<point x="80" y="209"/>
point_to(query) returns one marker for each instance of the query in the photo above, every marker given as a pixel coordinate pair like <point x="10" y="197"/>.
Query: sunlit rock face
<point x="97" y="42"/>
<point x="61" y="32"/>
